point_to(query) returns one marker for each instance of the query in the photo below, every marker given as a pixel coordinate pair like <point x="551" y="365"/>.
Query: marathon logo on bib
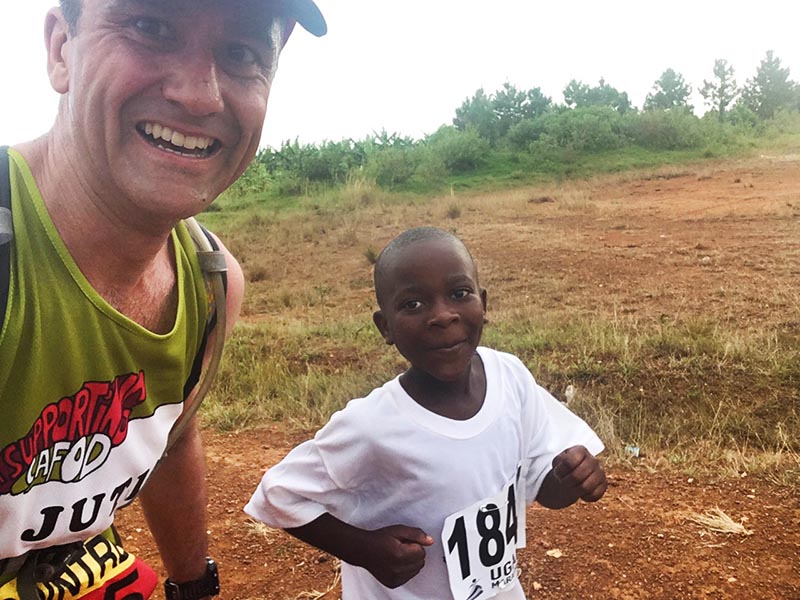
<point x="481" y="542"/>
<point x="73" y="437"/>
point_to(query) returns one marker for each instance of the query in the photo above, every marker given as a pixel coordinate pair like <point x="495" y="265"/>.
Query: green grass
<point x="671" y="385"/>
<point x="501" y="169"/>
<point x="686" y="390"/>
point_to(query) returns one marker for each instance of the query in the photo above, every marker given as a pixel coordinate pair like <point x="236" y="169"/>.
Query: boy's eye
<point x="411" y="305"/>
<point x="152" y="27"/>
<point x="462" y="293"/>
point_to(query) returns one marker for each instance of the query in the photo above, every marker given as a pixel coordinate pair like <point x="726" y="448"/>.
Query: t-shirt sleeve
<point x="319" y="476"/>
<point x="550" y="429"/>
<point x="292" y="493"/>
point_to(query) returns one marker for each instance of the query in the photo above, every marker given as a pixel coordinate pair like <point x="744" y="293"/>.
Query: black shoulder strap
<point x="197" y="365"/>
<point x="5" y="231"/>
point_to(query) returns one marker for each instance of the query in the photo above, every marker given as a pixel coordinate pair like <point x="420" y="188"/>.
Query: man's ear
<point x="383" y="326"/>
<point x="57" y="41"/>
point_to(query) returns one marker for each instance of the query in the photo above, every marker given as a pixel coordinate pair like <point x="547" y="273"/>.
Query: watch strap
<point x="207" y="585"/>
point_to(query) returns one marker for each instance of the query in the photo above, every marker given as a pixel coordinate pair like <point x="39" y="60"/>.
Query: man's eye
<point x="152" y="27"/>
<point x="241" y="55"/>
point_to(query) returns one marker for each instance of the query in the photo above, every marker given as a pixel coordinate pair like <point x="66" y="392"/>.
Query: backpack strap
<point x="211" y="321"/>
<point x="213" y="264"/>
<point x="6" y="231"/>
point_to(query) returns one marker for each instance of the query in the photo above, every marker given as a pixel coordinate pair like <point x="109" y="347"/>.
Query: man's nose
<point x="194" y="84"/>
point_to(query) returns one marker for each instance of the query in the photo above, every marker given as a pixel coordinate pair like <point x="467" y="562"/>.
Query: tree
<point x="580" y="95"/>
<point x="536" y="103"/>
<point x="770" y="90"/>
<point x="492" y="116"/>
<point x="511" y="106"/>
<point x="720" y="92"/>
<point x="669" y="91"/>
<point x="477" y="113"/>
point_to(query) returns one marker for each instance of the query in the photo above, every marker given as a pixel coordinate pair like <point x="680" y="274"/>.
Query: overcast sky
<point x="406" y="65"/>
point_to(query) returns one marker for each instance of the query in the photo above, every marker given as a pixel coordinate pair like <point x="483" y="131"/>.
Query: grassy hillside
<point x="656" y="286"/>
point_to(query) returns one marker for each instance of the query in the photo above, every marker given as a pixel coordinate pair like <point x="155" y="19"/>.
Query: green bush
<point x="524" y="133"/>
<point x="672" y="129"/>
<point x="589" y="129"/>
<point x="254" y="180"/>
<point x="431" y="168"/>
<point x="459" y="151"/>
<point x="391" y="166"/>
<point x="742" y="116"/>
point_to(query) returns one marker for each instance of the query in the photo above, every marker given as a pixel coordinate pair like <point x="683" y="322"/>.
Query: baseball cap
<point x="307" y="14"/>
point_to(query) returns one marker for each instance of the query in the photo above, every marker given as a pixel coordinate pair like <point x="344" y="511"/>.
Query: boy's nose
<point x="442" y="314"/>
<point x="194" y="84"/>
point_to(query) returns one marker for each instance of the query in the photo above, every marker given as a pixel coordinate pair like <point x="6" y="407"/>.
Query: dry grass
<point x="717" y="520"/>
<point x="601" y="289"/>
<point x="319" y="595"/>
<point x="262" y="531"/>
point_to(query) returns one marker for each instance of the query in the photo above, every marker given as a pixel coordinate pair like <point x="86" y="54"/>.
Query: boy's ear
<point x="383" y="326"/>
<point x="57" y="42"/>
<point x="484" y="302"/>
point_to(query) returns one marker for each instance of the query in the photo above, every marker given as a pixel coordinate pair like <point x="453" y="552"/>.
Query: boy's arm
<point x="392" y="554"/>
<point x="576" y="474"/>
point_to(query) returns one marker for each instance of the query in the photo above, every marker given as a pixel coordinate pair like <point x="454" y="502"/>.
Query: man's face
<point x="166" y="98"/>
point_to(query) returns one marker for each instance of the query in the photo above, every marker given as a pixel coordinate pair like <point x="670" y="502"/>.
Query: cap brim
<point x="306" y="13"/>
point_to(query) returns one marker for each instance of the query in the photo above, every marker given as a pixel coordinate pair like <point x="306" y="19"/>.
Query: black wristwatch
<point x="207" y="585"/>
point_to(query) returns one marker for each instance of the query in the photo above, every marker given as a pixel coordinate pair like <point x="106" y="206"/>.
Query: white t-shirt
<point x="385" y="460"/>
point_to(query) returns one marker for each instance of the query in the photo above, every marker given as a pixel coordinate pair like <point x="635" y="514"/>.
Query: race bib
<point x="481" y="541"/>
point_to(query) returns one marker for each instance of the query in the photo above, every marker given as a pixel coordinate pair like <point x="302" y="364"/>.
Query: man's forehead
<point x="251" y="16"/>
<point x="244" y="8"/>
<point x="282" y="12"/>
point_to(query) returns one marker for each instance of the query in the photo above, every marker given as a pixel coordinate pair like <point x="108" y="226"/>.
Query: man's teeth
<point x="176" y="138"/>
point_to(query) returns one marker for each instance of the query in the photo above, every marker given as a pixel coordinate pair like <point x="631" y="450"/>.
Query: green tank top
<point x="87" y="396"/>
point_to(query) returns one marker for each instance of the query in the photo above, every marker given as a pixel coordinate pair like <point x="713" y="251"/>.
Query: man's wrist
<point x="205" y="586"/>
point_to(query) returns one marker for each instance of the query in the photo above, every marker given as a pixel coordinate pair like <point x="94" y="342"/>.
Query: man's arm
<point x="174" y="503"/>
<point x="175" y="497"/>
<point x="392" y="554"/>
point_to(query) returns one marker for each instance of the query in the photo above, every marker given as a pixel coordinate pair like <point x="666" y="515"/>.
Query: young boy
<point x="420" y="487"/>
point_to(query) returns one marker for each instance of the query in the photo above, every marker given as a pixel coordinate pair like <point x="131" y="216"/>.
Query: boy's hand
<point x="396" y="553"/>
<point x="580" y="474"/>
<point x="392" y="554"/>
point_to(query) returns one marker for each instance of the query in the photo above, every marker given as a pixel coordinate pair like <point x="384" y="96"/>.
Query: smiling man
<point x="108" y="315"/>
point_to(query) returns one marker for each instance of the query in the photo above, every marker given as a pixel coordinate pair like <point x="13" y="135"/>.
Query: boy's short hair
<point x="403" y="241"/>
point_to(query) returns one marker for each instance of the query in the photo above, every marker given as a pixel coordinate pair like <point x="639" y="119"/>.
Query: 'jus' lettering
<point x="78" y="520"/>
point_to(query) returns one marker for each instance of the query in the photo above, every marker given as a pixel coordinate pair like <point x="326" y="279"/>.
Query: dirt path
<point x="721" y="240"/>
<point x="639" y="542"/>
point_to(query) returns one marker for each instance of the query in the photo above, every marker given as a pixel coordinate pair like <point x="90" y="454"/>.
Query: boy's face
<point x="432" y="308"/>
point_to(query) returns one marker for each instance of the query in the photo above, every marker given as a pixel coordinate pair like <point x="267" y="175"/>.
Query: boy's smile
<point x="433" y="309"/>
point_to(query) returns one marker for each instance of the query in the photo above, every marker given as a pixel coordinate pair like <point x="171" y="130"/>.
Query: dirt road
<point x="720" y="239"/>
